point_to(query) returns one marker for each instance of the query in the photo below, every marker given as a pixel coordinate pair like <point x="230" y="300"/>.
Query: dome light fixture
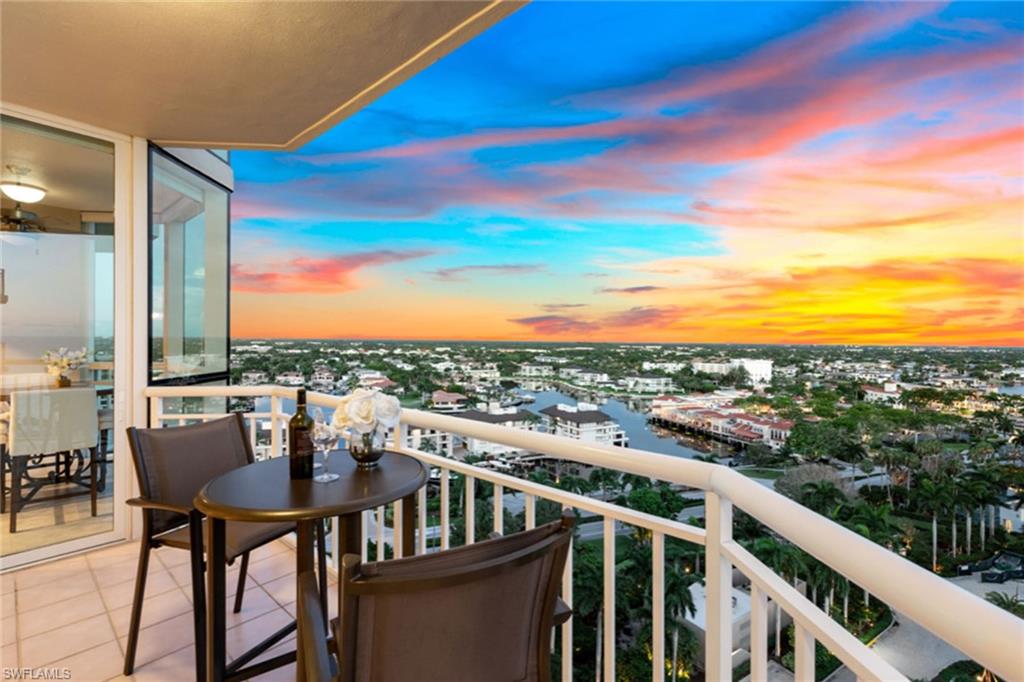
<point x="19" y="191"/>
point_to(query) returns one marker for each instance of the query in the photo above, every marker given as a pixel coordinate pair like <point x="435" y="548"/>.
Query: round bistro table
<point x="264" y="492"/>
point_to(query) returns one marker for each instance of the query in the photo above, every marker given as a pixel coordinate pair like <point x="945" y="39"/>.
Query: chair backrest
<point x="173" y="463"/>
<point x="51" y="420"/>
<point x="479" y="612"/>
<point x="26" y="380"/>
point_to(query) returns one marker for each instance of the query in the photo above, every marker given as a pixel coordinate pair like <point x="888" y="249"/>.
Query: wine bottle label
<point x="303" y="443"/>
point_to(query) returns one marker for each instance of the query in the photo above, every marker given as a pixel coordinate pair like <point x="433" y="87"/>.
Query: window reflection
<point x="189" y="270"/>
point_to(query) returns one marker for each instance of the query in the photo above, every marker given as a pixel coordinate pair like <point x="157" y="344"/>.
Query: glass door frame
<point x="126" y="384"/>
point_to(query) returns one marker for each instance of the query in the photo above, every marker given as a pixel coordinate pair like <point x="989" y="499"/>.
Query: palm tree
<point x="873" y="522"/>
<point x="678" y="602"/>
<point x="574" y="484"/>
<point x="822" y="496"/>
<point x="842" y="586"/>
<point x="972" y="492"/>
<point x="773" y="553"/>
<point x="603" y="479"/>
<point x="889" y="459"/>
<point x="1009" y="602"/>
<point x="818" y="576"/>
<point x="933" y="497"/>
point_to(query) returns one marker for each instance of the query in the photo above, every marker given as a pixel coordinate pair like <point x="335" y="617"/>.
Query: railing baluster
<point x="380" y="534"/>
<point x="658" y="606"/>
<point x="275" y="431"/>
<point x="156" y="413"/>
<point x="531" y="511"/>
<point x="445" y="512"/>
<point x="718" y="581"/>
<point x="758" y="634"/>
<point x="567" y="648"/>
<point x="803" y="646"/>
<point x="421" y="521"/>
<point x="397" y="523"/>
<point x="252" y="433"/>
<point x="499" y="509"/>
<point x="470" y="510"/>
<point x="608" y="645"/>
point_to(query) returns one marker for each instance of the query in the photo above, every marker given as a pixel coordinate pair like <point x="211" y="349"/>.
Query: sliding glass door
<point x="57" y="339"/>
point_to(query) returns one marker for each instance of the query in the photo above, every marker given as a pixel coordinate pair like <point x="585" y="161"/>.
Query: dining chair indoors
<point x="46" y="430"/>
<point x="479" y="612"/>
<point x="172" y="464"/>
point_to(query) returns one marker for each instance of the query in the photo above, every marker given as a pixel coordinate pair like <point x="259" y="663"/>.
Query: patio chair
<point x="48" y="429"/>
<point x="172" y="465"/>
<point x="478" y="612"/>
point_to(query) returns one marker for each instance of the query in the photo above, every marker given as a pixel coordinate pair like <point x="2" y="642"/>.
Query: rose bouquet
<point x="367" y="415"/>
<point x="61" y="362"/>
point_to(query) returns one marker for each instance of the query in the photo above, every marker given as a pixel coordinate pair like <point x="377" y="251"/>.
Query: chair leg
<point x="93" y="468"/>
<point x="3" y="478"/>
<point x="16" y="464"/>
<point x="321" y="566"/>
<point x="195" y="532"/>
<point x="240" y="591"/>
<point x="140" y="593"/>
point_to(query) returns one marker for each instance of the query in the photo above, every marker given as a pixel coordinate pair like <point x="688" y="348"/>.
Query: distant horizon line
<point x="622" y="343"/>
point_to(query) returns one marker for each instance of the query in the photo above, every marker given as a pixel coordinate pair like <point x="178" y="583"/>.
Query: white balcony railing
<point x="980" y="630"/>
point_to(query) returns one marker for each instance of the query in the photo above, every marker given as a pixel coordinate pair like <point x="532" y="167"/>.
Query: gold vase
<point x="63" y="382"/>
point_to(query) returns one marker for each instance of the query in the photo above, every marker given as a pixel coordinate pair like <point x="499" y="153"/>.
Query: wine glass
<point x="325" y="437"/>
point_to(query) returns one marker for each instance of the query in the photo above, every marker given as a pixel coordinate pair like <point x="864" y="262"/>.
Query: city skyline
<point x="835" y="174"/>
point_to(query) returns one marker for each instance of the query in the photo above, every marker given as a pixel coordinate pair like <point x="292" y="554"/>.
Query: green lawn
<point x="758" y="472"/>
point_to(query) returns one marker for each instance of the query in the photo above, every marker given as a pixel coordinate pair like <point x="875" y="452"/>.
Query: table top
<point x="264" y="491"/>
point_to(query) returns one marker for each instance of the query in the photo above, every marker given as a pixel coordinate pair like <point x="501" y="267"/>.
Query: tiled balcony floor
<point x="73" y="613"/>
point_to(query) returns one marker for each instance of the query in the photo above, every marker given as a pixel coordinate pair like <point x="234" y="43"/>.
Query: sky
<point x="663" y="172"/>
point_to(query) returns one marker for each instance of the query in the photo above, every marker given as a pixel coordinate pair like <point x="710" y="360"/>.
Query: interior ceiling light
<point x="19" y="191"/>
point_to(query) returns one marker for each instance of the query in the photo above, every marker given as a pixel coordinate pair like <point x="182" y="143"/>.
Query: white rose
<point x="361" y="414"/>
<point x="340" y="419"/>
<point x="388" y="409"/>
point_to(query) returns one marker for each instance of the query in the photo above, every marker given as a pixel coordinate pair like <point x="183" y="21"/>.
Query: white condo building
<point x="649" y="383"/>
<point x="535" y="371"/>
<point x="584" y="422"/>
<point x="483" y="374"/>
<point x="509" y="417"/>
<point x="290" y="379"/>
<point x="759" y="371"/>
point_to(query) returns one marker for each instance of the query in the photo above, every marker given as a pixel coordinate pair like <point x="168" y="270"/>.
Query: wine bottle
<point x="300" y="439"/>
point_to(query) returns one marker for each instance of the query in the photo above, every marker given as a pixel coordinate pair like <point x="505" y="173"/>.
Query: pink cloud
<point x="305" y="274"/>
<point x="556" y="325"/>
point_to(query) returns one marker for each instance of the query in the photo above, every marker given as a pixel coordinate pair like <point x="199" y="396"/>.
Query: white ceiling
<point x="77" y="173"/>
<point x="269" y="75"/>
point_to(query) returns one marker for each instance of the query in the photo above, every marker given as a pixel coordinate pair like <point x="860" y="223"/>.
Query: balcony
<point x="964" y="621"/>
<point x="137" y="170"/>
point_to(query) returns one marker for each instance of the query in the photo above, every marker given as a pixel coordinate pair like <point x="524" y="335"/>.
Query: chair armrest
<point x="143" y="503"/>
